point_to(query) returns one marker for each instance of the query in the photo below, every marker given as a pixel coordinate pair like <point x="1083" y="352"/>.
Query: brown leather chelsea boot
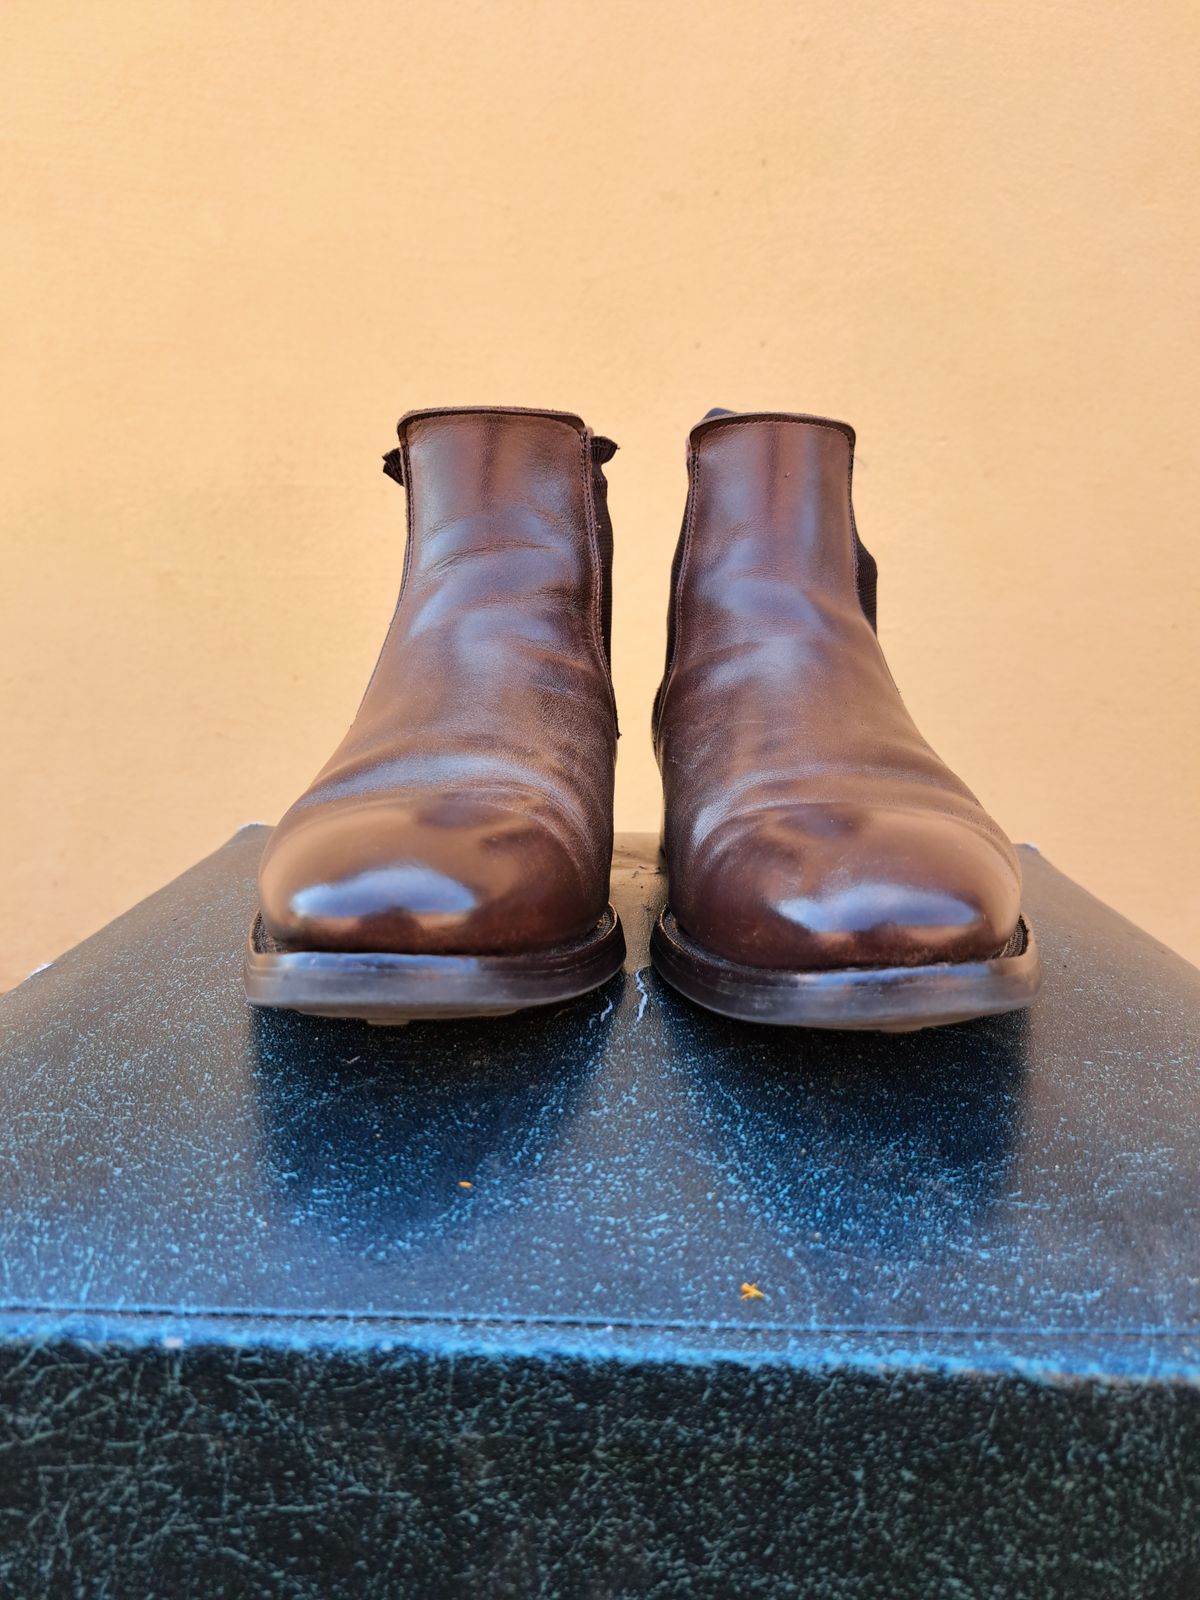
<point x="452" y="857"/>
<point x="825" y="868"/>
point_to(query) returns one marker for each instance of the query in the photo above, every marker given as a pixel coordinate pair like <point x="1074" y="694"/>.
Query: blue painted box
<point x="293" y="1307"/>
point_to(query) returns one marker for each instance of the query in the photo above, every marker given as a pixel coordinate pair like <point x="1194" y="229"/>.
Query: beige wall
<point x="240" y="238"/>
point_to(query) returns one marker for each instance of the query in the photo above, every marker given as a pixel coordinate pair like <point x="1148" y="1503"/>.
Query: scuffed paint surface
<point x="251" y="1319"/>
<point x="262" y="1473"/>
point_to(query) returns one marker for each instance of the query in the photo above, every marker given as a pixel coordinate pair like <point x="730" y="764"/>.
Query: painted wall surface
<point x="240" y="239"/>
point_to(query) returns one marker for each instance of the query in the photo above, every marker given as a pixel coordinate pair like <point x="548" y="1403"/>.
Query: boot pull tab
<point x="393" y="465"/>
<point x="603" y="450"/>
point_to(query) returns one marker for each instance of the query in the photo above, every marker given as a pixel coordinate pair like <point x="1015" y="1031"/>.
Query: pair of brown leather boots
<point x="452" y="858"/>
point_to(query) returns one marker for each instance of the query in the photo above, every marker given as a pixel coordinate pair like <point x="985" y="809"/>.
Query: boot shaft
<point x="772" y="493"/>
<point x="508" y="505"/>
<point x="508" y="556"/>
<point x="768" y="530"/>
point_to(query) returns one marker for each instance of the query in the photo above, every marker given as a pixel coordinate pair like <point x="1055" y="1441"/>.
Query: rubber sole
<point x="883" y="999"/>
<point x="391" y="989"/>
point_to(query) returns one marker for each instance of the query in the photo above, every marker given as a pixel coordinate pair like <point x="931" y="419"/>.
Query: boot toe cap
<point x="847" y="888"/>
<point x="407" y="878"/>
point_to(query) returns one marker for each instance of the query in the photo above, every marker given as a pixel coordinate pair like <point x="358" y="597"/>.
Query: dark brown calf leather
<point x="807" y="823"/>
<point x="469" y="807"/>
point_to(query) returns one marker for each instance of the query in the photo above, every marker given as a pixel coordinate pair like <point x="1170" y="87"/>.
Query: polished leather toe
<point x="436" y="875"/>
<point x="830" y="887"/>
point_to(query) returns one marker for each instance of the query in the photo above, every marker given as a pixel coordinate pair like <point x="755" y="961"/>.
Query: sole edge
<point x="869" y="999"/>
<point x="393" y="988"/>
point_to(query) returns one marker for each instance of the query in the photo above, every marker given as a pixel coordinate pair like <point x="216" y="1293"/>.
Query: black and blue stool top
<point x="616" y="1299"/>
<point x="610" y="1173"/>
